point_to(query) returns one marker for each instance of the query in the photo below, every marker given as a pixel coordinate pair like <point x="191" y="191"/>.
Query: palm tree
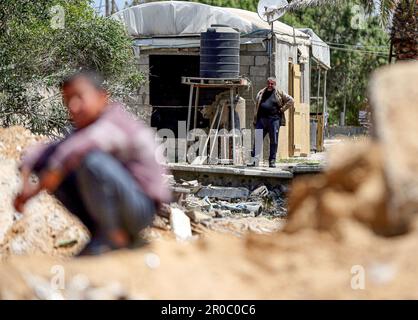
<point x="400" y="16"/>
<point x="404" y="30"/>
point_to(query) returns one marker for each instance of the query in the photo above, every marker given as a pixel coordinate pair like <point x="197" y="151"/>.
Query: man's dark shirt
<point x="268" y="106"/>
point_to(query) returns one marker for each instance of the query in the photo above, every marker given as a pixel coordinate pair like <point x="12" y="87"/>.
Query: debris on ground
<point x="48" y="228"/>
<point x="336" y="220"/>
<point x="223" y="193"/>
<point x="180" y="224"/>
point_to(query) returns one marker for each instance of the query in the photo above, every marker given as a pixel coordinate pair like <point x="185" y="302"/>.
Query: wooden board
<point x="298" y="118"/>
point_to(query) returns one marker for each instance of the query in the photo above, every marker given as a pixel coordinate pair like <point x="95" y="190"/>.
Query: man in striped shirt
<point x="107" y="171"/>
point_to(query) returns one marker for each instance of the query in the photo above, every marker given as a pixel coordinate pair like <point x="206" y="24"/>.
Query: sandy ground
<point x="304" y="265"/>
<point x="347" y="261"/>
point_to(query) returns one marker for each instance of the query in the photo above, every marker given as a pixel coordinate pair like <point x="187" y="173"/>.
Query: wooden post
<point x="233" y="124"/>
<point x="196" y="105"/>
<point x="324" y="112"/>
<point x="189" y="111"/>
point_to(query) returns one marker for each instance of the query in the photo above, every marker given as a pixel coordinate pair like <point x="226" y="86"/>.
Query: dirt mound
<point x="45" y="227"/>
<point x="14" y="140"/>
<point x="353" y="186"/>
<point x="375" y="180"/>
<point x="303" y="265"/>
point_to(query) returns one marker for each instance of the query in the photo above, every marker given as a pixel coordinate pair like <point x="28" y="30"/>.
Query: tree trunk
<point x="404" y="30"/>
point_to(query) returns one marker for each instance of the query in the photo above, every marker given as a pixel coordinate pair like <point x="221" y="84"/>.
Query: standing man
<point x="271" y="103"/>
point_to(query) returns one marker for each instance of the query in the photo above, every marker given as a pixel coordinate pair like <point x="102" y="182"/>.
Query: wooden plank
<point x="299" y="126"/>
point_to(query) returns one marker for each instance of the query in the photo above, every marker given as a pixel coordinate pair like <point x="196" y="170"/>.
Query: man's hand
<point x="19" y="202"/>
<point x="24" y="197"/>
<point x="28" y="191"/>
<point x="51" y="179"/>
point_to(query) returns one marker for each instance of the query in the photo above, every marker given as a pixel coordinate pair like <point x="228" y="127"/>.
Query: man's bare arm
<point x="49" y="180"/>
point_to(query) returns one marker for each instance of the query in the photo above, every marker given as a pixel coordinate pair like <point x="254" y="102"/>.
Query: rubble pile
<point x="225" y="209"/>
<point x="227" y="201"/>
<point x="45" y="227"/>
<point x="332" y="248"/>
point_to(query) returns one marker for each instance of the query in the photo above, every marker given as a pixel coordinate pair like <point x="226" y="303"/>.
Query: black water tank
<point x="219" y="52"/>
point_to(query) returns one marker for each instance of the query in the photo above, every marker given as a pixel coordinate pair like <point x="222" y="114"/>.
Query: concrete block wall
<point x="254" y="62"/>
<point x="144" y="92"/>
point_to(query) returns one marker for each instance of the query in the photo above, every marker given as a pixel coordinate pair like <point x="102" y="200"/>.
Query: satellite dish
<point x="271" y="10"/>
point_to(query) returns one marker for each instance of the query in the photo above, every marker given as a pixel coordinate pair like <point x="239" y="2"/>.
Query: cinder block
<point x="144" y="89"/>
<point x="256" y="47"/>
<point x="244" y="70"/>
<point x="144" y="68"/>
<point x="260" y="81"/>
<point x="247" y="60"/>
<point x="258" y="71"/>
<point x="262" y="60"/>
<point x="144" y="99"/>
<point x="143" y="59"/>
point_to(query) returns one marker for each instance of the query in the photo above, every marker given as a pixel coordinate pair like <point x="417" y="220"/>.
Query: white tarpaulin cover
<point x="320" y="50"/>
<point x="182" y="18"/>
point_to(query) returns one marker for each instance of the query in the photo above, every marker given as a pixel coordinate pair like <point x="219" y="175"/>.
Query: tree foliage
<point x="356" y="50"/>
<point x="39" y="45"/>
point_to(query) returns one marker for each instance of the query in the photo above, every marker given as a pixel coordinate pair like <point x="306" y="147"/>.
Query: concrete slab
<point x="242" y="176"/>
<point x="233" y="170"/>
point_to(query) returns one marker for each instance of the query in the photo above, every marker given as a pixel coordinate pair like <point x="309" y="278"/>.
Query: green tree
<point x="355" y="52"/>
<point x="42" y="41"/>
<point x="400" y="16"/>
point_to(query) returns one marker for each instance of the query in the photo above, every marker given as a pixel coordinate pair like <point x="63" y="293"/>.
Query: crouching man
<point x="107" y="172"/>
<point x="271" y="104"/>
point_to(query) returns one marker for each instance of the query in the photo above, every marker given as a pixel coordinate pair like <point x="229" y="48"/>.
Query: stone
<point x="197" y="216"/>
<point x="261" y="191"/>
<point x="394" y="100"/>
<point x="180" y="224"/>
<point x="223" y="193"/>
<point x="243" y="207"/>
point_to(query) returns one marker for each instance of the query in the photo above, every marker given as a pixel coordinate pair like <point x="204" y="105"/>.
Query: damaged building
<point x="166" y="39"/>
